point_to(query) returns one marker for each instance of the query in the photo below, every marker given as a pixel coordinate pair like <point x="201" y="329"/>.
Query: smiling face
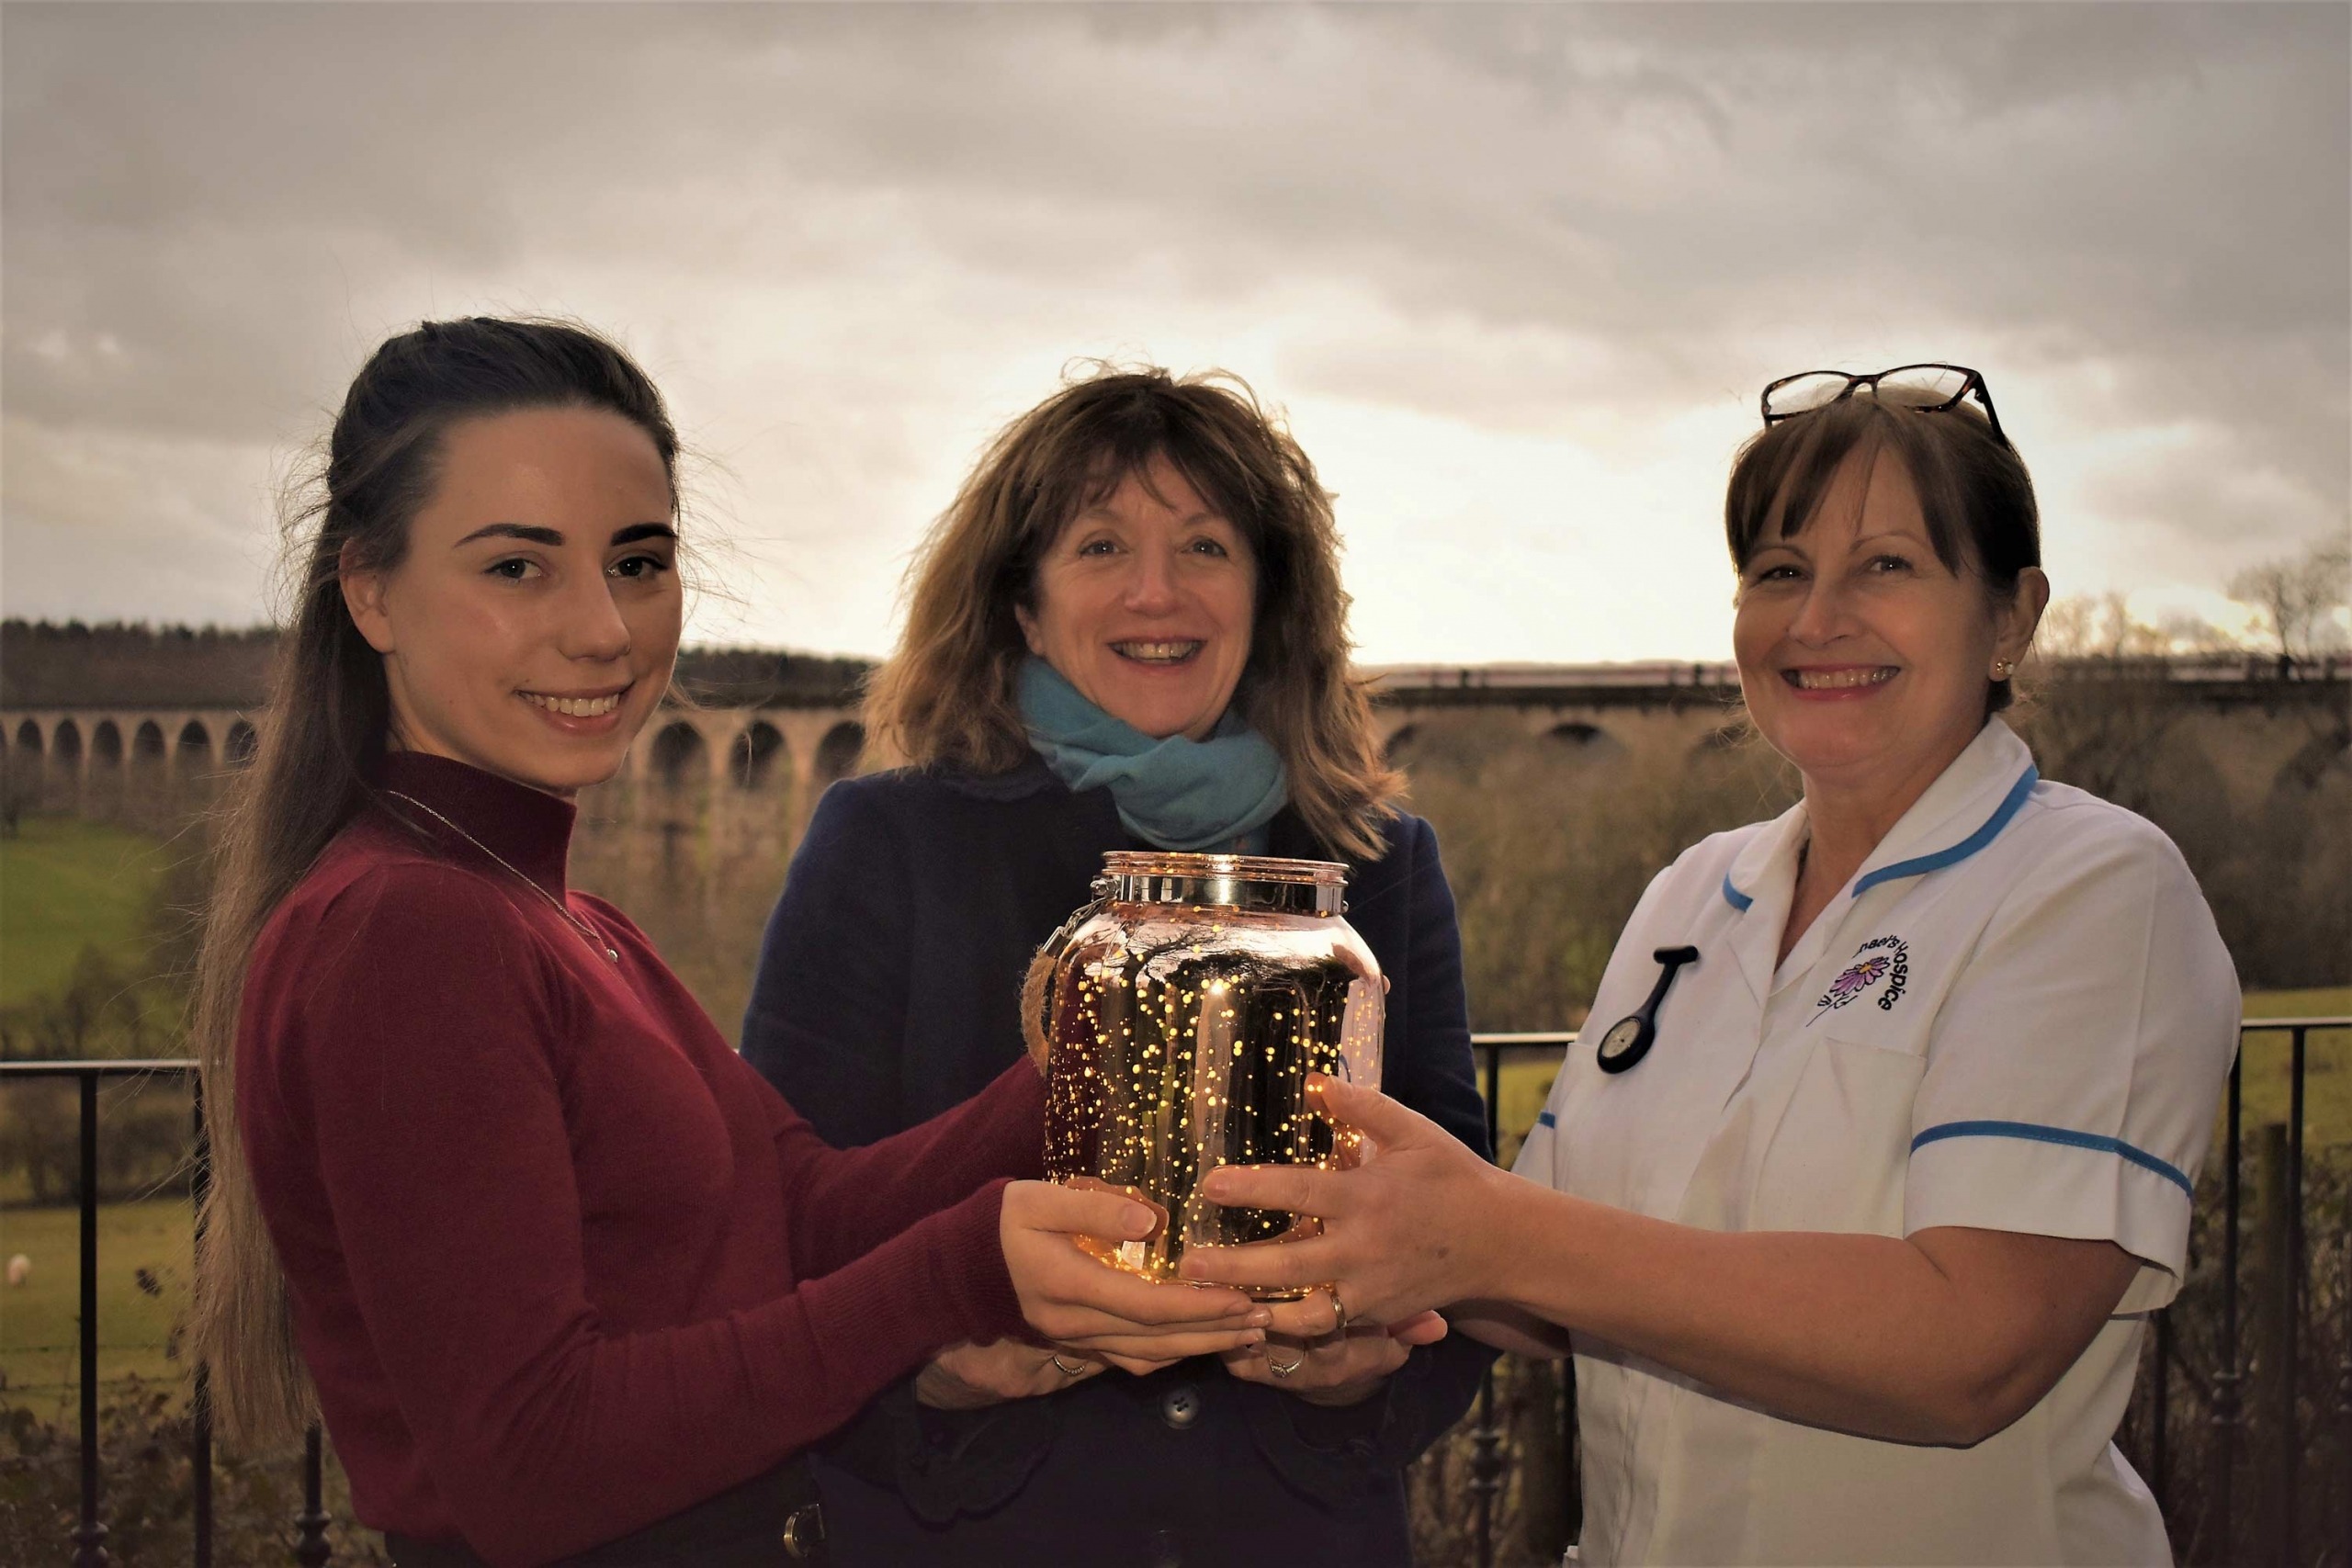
<point x="1144" y="603"/>
<point x="1864" y="658"/>
<point x="530" y="627"/>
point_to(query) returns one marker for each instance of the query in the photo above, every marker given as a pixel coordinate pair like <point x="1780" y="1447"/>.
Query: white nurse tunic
<point x="2018" y="1016"/>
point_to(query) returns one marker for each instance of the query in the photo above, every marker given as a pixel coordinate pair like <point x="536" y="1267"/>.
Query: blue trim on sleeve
<point x="1734" y="896"/>
<point x="1960" y="850"/>
<point x="2033" y="1133"/>
<point x="1545" y="1119"/>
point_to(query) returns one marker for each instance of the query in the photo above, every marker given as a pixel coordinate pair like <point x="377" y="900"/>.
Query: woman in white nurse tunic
<point x="1854" y="1223"/>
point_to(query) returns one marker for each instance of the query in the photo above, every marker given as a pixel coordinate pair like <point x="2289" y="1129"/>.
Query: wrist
<point x="1500" y="1236"/>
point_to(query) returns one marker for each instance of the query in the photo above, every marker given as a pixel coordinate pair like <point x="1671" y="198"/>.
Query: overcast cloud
<point x="1516" y="273"/>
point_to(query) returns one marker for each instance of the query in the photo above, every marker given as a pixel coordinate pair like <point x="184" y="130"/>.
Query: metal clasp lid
<point x="1252" y="883"/>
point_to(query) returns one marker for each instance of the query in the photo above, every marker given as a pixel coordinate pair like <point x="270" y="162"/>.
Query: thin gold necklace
<point x="587" y="932"/>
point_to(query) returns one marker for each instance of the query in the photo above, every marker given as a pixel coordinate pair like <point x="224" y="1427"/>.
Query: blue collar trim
<point x="1966" y="847"/>
<point x="1734" y="896"/>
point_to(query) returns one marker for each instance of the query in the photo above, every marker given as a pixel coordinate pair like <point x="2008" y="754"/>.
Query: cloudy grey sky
<point x="1516" y="273"/>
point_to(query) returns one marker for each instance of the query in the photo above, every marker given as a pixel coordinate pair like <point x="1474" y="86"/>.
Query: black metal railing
<point x="1488" y="1466"/>
<point x="2227" y="1417"/>
<point x="310" y="1548"/>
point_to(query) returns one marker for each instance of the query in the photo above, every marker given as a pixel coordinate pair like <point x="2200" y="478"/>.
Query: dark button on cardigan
<point x="887" y="991"/>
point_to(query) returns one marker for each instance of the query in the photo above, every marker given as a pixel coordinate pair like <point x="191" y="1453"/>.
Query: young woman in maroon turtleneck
<point x="569" y="1280"/>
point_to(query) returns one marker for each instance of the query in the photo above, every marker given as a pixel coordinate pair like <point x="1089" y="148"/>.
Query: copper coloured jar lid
<point x="1250" y="884"/>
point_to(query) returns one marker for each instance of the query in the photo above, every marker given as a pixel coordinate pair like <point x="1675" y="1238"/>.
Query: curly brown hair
<point x="946" y="698"/>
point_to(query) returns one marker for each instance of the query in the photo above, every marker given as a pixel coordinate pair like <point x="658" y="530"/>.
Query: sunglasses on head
<point x="1925" y="389"/>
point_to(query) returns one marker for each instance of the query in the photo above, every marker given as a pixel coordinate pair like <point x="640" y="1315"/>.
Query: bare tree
<point x="2300" y="595"/>
<point x="2103" y="626"/>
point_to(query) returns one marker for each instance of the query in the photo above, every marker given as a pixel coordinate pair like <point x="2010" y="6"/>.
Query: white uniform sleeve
<point x="2076" y="1065"/>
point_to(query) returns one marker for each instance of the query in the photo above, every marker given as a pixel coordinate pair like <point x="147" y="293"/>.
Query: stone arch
<point x="193" y="747"/>
<point x="680" y="755"/>
<point x="66" y="745"/>
<point x="22" y="772"/>
<point x="838" y="752"/>
<point x="1585" y="742"/>
<point x="105" y="744"/>
<point x="240" y="745"/>
<point x="146" y="769"/>
<point x="758" y="756"/>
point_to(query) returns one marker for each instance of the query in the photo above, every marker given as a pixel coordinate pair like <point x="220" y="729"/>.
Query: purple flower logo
<point x="1857" y="978"/>
<point x="1882" y="958"/>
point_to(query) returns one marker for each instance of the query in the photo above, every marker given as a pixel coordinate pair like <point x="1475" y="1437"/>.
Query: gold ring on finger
<point x="1280" y="1370"/>
<point x="1339" y="1310"/>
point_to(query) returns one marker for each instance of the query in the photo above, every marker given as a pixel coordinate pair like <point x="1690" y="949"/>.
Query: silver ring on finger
<point x="1281" y="1371"/>
<point x="1067" y="1370"/>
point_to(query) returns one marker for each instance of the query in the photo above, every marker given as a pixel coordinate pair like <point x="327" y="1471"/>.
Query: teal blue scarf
<point x="1176" y="793"/>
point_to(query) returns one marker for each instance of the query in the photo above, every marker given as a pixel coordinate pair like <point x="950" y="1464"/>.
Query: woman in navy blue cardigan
<point x="1128" y="632"/>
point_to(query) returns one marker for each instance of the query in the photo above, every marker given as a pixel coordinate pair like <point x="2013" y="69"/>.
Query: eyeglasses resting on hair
<point x="1925" y="389"/>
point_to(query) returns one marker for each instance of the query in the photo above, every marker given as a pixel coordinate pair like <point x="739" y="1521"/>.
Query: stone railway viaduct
<point x="694" y="838"/>
<point x="80" y="755"/>
<point x="78" y="749"/>
<point x="752" y="748"/>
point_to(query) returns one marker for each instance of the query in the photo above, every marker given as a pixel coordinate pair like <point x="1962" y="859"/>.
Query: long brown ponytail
<point x="321" y="737"/>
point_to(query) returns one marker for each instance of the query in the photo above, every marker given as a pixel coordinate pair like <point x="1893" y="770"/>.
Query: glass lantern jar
<point x="1181" y="1012"/>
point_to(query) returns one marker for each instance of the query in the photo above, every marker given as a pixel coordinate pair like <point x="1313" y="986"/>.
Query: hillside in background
<point x="77" y="666"/>
<point x="48" y="666"/>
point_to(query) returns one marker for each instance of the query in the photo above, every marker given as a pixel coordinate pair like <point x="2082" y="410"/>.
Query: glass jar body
<point x="1180" y="1038"/>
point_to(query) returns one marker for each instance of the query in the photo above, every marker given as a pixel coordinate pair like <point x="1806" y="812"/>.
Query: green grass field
<point x="39" y="1355"/>
<point x="2267" y="1081"/>
<point x="66" y="884"/>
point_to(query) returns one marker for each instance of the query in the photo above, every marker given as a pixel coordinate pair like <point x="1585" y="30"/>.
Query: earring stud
<point x="2002" y="669"/>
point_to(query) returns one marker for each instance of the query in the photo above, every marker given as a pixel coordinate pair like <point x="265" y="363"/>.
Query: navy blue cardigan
<point x="888" y="992"/>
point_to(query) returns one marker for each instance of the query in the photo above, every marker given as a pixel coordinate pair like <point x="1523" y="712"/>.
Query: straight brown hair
<point x="1974" y="489"/>
<point x="321" y="738"/>
<point x="945" y="697"/>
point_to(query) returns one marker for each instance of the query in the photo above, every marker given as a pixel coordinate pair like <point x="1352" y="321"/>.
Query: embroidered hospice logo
<point x="1882" y="958"/>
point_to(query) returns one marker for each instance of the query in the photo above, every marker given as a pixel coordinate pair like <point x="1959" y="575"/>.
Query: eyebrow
<point x="1791" y="542"/>
<point x="554" y="537"/>
<point x="1102" y="514"/>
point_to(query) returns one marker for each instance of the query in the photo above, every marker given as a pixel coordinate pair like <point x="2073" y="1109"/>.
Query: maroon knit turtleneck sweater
<point x="561" y="1264"/>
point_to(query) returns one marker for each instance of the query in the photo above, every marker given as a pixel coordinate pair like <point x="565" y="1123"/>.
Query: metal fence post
<point x="2291" y="1444"/>
<point x="311" y="1549"/>
<point x="200" y="1410"/>
<point x="2216" y="1533"/>
<point x="2344" y="1388"/>
<point x="1485" y="1440"/>
<point x="89" y="1537"/>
